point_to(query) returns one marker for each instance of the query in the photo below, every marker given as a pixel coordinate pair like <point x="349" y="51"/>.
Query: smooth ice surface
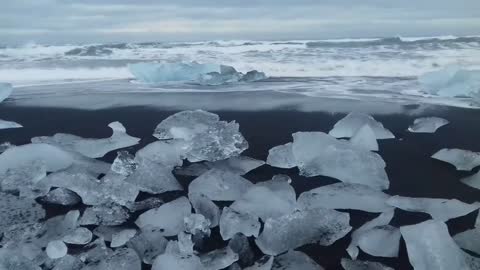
<point x="427" y="124"/>
<point x="56" y="249"/>
<point x="348" y="264"/>
<point x="80" y="236"/>
<point x="218" y="259"/>
<point x="452" y="82"/>
<point x="4" y="124"/>
<point x="365" y="138"/>
<point x="239" y="165"/>
<point x="16" y="211"/>
<point x="220" y="185"/>
<point x="155" y="73"/>
<point x="110" y="214"/>
<point x="124" y="164"/>
<point x="148" y="244"/>
<point x="206" y="137"/>
<point x="233" y="222"/>
<point x="318" y="153"/>
<point x="93" y="148"/>
<point x="169" y="216"/>
<point x="62" y="196"/>
<point x="281" y="156"/>
<point x="204" y="206"/>
<point x="345" y="196"/>
<point x="469" y="240"/>
<point x="439" y="209"/>
<point x="295" y="260"/>
<point x="348" y="126"/>
<point x="5" y="91"/>
<point x="121" y="238"/>
<point x="153" y="178"/>
<point x="267" y="199"/>
<point x="174" y="259"/>
<point x="169" y="153"/>
<point x="430" y="246"/>
<point x="463" y="160"/>
<point x="472" y="181"/>
<point x="322" y="226"/>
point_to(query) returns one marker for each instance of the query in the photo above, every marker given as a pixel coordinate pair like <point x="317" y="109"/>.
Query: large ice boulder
<point x="350" y="125"/>
<point x="452" y="82"/>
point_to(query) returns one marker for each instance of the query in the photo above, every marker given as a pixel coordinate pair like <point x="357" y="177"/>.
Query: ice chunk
<point x="53" y="157"/>
<point x="197" y="224"/>
<point x="427" y="124"/>
<point x="206" y="137"/>
<point x="169" y="153"/>
<point x="365" y="138"/>
<point x="17" y="211"/>
<point x="220" y="185"/>
<point x="218" y="259"/>
<point x="4" y="146"/>
<point x="293" y="260"/>
<point x="472" y="181"/>
<point x="322" y="226"/>
<point x="153" y="178"/>
<point x="240" y="245"/>
<point x="110" y="215"/>
<point x="282" y="156"/>
<point x="430" y="246"/>
<point x="5" y="91"/>
<point x="11" y="260"/>
<point x="348" y="264"/>
<point x="185" y="244"/>
<point x="62" y="196"/>
<point x="439" y="209"/>
<point x="9" y="124"/>
<point x="233" y="222"/>
<point x="149" y="243"/>
<point x="226" y="75"/>
<point x="376" y="238"/>
<point x="264" y="263"/>
<point x="95" y="252"/>
<point x="253" y="76"/>
<point x="68" y="262"/>
<point x="56" y="228"/>
<point x="267" y="199"/>
<point x="123" y="258"/>
<point x="23" y="180"/>
<point x="169" y="216"/>
<point x="345" y="196"/>
<point x="239" y="165"/>
<point x="174" y="259"/>
<point x="452" y="82"/>
<point x="146" y="204"/>
<point x="155" y="73"/>
<point x="317" y="153"/>
<point x="463" y="160"/>
<point x="80" y="236"/>
<point x="469" y="240"/>
<point x="205" y="207"/>
<point x="93" y="148"/>
<point x="56" y="249"/>
<point x="353" y="122"/>
<point x="124" y="164"/>
<point x="122" y="237"/>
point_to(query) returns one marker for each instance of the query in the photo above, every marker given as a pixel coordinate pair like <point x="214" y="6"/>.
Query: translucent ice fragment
<point x="80" y="236"/>
<point x="124" y="164"/>
<point x="205" y="207"/>
<point x="220" y="185"/>
<point x="353" y="122"/>
<point x="56" y="249"/>
<point x="348" y="264"/>
<point x="282" y="156"/>
<point x="197" y="224"/>
<point x="365" y="138"/>
<point x="9" y="124"/>
<point x="153" y="178"/>
<point x="239" y="165"/>
<point x="110" y="215"/>
<point x="149" y="243"/>
<point x="218" y="259"/>
<point x="174" y="259"/>
<point x="469" y="240"/>
<point x="233" y="222"/>
<point x="463" y="160"/>
<point x="61" y="196"/>
<point x="427" y="124"/>
<point x="122" y="237"/>
<point x="5" y="91"/>
<point x="293" y="260"/>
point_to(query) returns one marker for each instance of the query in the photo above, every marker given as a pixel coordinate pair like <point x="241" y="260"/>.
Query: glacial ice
<point x="80" y="236"/>
<point x="16" y="211"/>
<point x="11" y="260"/>
<point x="269" y="199"/>
<point x="6" y="90"/>
<point x="149" y="243"/>
<point x="9" y="124"/>
<point x="472" y="180"/>
<point x="149" y="203"/>
<point x="55" y="228"/>
<point x="228" y="75"/>
<point x="376" y="238"/>
<point x="452" y="82"/>
<point x="93" y="148"/>
<point x="185" y="243"/>
<point x="264" y="263"/>
<point x="281" y="156"/>
<point x="122" y="237"/>
<point x="23" y="180"/>
<point x="220" y="185"/>
<point x="240" y="245"/>
<point x="318" y="153"/>
<point x="206" y="137"/>
<point x="204" y="206"/>
<point x="197" y="224"/>
<point x="153" y="178"/>
<point x="322" y="226"/>
<point x="124" y="164"/>
<point x="348" y="264"/>
<point x="439" y="209"/>
<point x="169" y="153"/>
<point x="56" y="249"/>
<point x="68" y="262"/>
<point x="61" y="196"/>
<point x="427" y="124"/>
<point x="469" y="240"/>
<point x="463" y="160"/>
<point x="430" y="246"/>
<point x="345" y="196"/>
<point x="294" y="260"/>
<point x="122" y="258"/>
<point x="239" y="165"/>
<point x="169" y="216"/>
<point x="353" y="122"/>
<point x="110" y="215"/>
<point x="233" y="222"/>
<point x="365" y="138"/>
<point x="218" y="259"/>
<point x="174" y="259"/>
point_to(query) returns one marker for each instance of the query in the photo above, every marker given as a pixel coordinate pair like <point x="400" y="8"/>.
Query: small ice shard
<point x="153" y="178"/>
<point x="169" y="153"/>
<point x="205" y="207"/>
<point x="169" y="217"/>
<point x="463" y="160"/>
<point x="469" y="240"/>
<point x="322" y="226"/>
<point x="9" y="124"/>
<point x="124" y="164"/>
<point x="146" y="204"/>
<point x="430" y="246"/>
<point x="197" y="224"/>
<point x="353" y="122"/>
<point x="80" y="236"/>
<point x="122" y="258"/>
<point x="348" y="264"/>
<point x="233" y="222"/>
<point x="282" y="156"/>
<point x="11" y="260"/>
<point x="17" y="211"/>
<point x="365" y="138"/>
<point x="439" y="209"/>
<point x="318" y="153"/>
<point x="93" y="148"/>
<point x="220" y="185"/>
<point x="6" y="90"/>
<point x="23" y="180"/>
<point x="149" y="243"/>
<point x="295" y="260"/>
<point x="264" y="263"/>
<point x="472" y="180"/>
<point x="218" y="259"/>
<point x="61" y="196"/>
<point x="345" y="196"/>
<point x="174" y="259"/>
<point x="240" y="245"/>
<point x="155" y="73"/>
<point x="376" y="238"/>
<point x="109" y="215"/>
<point x="185" y="244"/>
<point x="452" y="81"/>
<point x="122" y="237"/>
<point x="53" y="157"/>
<point x="267" y="199"/>
<point x="56" y="249"/>
<point x="427" y="124"/>
<point x="206" y="137"/>
<point x="239" y="165"/>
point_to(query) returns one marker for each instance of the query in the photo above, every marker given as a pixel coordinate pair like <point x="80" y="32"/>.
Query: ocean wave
<point x="391" y="41"/>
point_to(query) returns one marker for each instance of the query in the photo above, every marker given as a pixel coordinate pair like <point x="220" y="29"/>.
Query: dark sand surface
<point x="411" y="170"/>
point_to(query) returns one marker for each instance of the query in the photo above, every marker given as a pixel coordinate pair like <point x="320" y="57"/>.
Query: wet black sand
<point x="411" y="170"/>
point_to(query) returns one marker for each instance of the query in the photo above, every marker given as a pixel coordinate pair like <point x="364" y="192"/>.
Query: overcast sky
<point x="72" y="21"/>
